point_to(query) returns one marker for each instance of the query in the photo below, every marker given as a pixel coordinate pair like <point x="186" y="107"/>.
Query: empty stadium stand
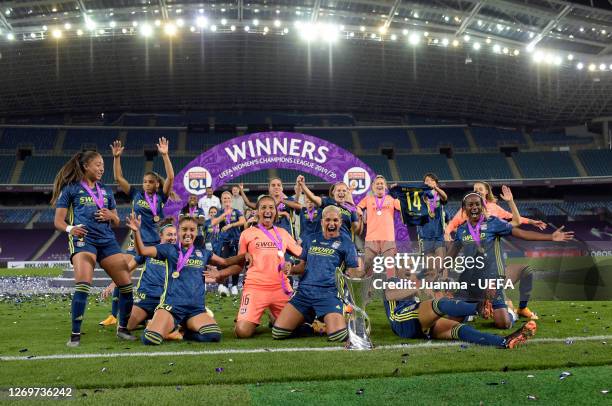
<point x="437" y="137"/>
<point x="491" y="137"/>
<point x="545" y="164"/>
<point x="597" y="162"/>
<point x="484" y="166"/>
<point x="99" y="139"/>
<point x="377" y="138"/>
<point x="40" y="139"/>
<point x="413" y="167"/>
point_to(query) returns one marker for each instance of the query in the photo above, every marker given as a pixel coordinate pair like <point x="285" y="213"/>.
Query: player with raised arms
<point x="341" y="196"/>
<point x="147" y="201"/>
<point x="480" y="237"/>
<point x="265" y="283"/>
<point x="284" y="205"/>
<point x="183" y="299"/>
<point x="323" y="255"/>
<point x="514" y="272"/>
<point x="91" y="210"/>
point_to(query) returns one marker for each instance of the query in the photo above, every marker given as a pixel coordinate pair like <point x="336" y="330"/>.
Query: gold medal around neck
<point x="156" y="219"/>
<point x="379" y="212"/>
<point x="175" y="274"/>
<point x="280" y="254"/>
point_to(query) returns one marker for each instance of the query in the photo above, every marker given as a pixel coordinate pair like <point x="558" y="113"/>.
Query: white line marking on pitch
<point x="428" y="344"/>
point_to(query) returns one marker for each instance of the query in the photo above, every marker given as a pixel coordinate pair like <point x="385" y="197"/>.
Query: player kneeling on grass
<point x="183" y="299"/>
<point x="317" y="296"/>
<point x="150" y="285"/>
<point x="428" y="319"/>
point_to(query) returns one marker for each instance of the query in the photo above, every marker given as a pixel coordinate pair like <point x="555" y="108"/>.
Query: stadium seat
<point x="597" y="162"/>
<point x="482" y="166"/>
<point x="178" y="163"/>
<point x="136" y="120"/>
<point x="436" y="137"/>
<point x="343" y="138"/>
<point x="41" y="139"/>
<point x="137" y="140"/>
<point x="376" y="138"/>
<point x="558" y="138"/>
<point x="379" y="164"/>
<point x="41" y="169"/>
<point x="545" y="164"/>
<point x="100" y="139"/>
<point x="413" y="167"/>
<point x="491" y="137"/>
<point x="7" y="164"/>
<point x="16" y="216"/>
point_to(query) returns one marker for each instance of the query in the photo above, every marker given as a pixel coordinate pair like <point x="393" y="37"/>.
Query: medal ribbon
<point x="475" y="231"/>
<point x="183" y="258"/>
<point x="379" y="205"/>
<point x="310" y="214"/>
<point x="152" y="203"/>
<point x="278" y="242"/>
<point x="99" y="199"/>
<point x="192" y="211"/>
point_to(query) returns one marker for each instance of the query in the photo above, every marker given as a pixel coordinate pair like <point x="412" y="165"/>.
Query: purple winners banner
<point x="272" y="150"/>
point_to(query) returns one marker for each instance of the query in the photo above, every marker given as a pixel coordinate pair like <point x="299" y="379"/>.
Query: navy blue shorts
<point x="405" y="323"/>
<point x="101" y="251"/>
<point x="313" y="303"/>
<point x="428" y="246"/>
<point x="148" y="304"/>
<point x="182" y="313"/>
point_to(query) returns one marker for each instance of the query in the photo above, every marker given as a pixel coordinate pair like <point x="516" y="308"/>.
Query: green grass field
<point x="413" y="374"/>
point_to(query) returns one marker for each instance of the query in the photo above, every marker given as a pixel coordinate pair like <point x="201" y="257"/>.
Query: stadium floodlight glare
<point x="480" y="23"/>
<point x="307" y="32"/>
<point x="445" y="42"/>
<point x="426" y="34"/>
<point x="579" y="66"/>
<point x="90" y="24"/>
<point x="404" y="32"/>
<point x="466" y="38"/>
<point x="602" y="66"/>
<point x="592" y="67"/>
<point x="213" y="28"/>
<point x="32" y="35"/>
<point x="362" y="28"/>
<point x="538" y="57"/>
<point x="505" y="51"/>
<point x="570" y="57"/>
<point x="10" y="36"/>
<point x="256" y="22"/>
<point x="67" y="26"/>
<point x="192" y="29"/>
<point x="170" y="29"/>
<point x="382" y="30"/>
<point x="557" y="60"/>
<point x="266" y="30"/>
<point x="224" y="21"/>
<point x="488" y="40"/>
<point x="436" y="40"/>
<point x="393" y="37"/>
<point x="232" y="28"/>
<point x="530" y="47"/>
<point x="45" y="28"/>
<point x="414" y="38"/>
<point x="112" y="24"/>
<point x="124" y="31"/>
<point x="516" y="52"/>
<point x="329" y="32"/>
<point x="455" y="43"/>
<point x="57" y="34"/>
<point x="277" y="23"/>
<point x="146" y="30"/>
<point x="134" y="23"/>
<point x="285" y="30"/>
<point x="415" y="14"/>
<point x="496" y="48"/>
<point x="201" y="22"/>
<point x="372" y="36"/>
<point x="476" y="46"/>
<point x="247" y="28"/>
<point x="611" y="66"/>
<point x="158" y="23"/>
<point x="180" y="22"/>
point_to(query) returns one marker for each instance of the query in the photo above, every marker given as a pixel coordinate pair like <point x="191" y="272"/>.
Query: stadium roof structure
<point x="509" y="61"/>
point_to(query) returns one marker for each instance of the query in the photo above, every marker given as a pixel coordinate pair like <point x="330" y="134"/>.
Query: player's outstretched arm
<point x="163" y="149"/>
<point x="506" y="195"/>
<point x="133" y="224"/>
<point x="245" y="198"/>
<point x="558" y="235"/>
<point x="117" y="149"/>
<point x="311" y="196"/>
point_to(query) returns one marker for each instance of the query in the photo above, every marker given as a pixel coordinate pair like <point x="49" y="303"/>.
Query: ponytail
<point x="72" y="171"/>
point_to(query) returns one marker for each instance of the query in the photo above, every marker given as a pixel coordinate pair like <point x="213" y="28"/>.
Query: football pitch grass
<point x="263" y="371"/>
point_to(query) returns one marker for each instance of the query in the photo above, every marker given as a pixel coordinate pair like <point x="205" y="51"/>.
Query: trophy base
<point x="359" y="344"/>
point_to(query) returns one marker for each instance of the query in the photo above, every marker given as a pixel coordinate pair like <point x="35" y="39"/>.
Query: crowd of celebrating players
<point x="288" y="250"/>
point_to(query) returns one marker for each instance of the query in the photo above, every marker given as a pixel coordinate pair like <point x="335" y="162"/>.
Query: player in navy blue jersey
<point x="340" y="196"/>
<point x="147" y="201"/>
<point x="183" y="299"/>
<point x="412" y="200"/>
<point x="434" y="319"/>
<point x="90" y="208"/>
<point x="230" y="222"/>
<point x="191" y="209"/>
<point x="284" y="205"/>
<point x="480" y="238"/>
<point x="323" y="255"/>
<point x="310" y="220"/>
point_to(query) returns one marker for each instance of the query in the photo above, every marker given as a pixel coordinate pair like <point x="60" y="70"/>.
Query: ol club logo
<point x="196" y="180"/>
<point x="358" y="179"/>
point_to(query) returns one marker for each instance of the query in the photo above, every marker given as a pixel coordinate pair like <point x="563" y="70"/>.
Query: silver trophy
<point x="355" y="294"/>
